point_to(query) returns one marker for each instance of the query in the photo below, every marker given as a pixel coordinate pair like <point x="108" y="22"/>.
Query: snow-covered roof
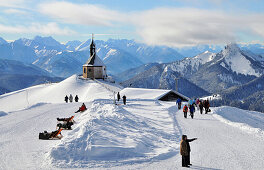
<point x="94" y="61"/>
<point x="149" y="94"/>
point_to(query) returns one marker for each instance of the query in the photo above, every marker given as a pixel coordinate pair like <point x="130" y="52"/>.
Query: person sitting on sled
<point x="82" y="108"/>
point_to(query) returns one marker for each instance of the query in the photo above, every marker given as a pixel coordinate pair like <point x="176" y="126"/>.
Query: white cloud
<point x="12" y="3"/>
<point x="187" y="27"/>
<point x="46" y="29"/>
<point x="163" y="26"/>
<point x="84" y="14"/>
<point x="15" y="11"/>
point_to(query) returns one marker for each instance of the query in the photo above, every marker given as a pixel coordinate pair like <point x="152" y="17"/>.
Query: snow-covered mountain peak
<point x="205" y="57"/>
<point x="234" y="59"/>
<point x="231" y="50"/>
<point x="48" y="41"/>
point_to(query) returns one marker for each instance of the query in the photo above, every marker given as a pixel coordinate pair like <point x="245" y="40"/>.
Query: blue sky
<point x="155" y="22"/>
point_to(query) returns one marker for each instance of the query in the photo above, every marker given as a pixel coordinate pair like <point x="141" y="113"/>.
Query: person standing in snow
<point x="76" y="98"/>
<point x="70" y="98"/>
<point x="118" y="96"/>
<point x="201" y="107"/>
<point x="192" y="110"/>
<point x="66" y="99"/>
<point x="179" y="103"/>
<point x="184" y="151"/>
<point x="197" y="103"/>
<point x="124" y="99"/>
<point x="206" y="106"/>
<point x="189" y="149"/>
<point x="185" y="110"/>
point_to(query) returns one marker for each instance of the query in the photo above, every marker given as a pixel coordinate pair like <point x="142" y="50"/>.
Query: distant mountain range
<point x="15" y="75"/>
<point x="227" y="70"/>
<point x="235" y="73"/>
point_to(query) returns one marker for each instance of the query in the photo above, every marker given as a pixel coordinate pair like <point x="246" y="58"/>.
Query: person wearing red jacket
<point x="82" y="108"/>
<point x="185" y="110"/>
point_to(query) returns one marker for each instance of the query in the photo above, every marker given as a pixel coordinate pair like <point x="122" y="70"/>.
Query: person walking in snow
<point x="192" y="110"/>
<point x="118" y="96"/>
<point x="70" y="98"/>
<point x="184" y="151"/>
<point x="201" y="107"/>
<point x="179" y="101"/>
<point x="66" y="99"/>
<point x="197" y="103"/>
<point x="76" y="98"/>
<point x="124" y="99"/>
<point x="189" y="149"/>
<point x="185" y="110"/>
<point x="206" y="106"/>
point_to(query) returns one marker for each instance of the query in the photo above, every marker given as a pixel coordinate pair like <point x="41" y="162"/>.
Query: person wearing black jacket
<point x="189" y="149"/>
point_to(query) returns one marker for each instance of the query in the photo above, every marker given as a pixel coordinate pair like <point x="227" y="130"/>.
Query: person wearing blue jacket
<point x="192" y="110"/>
<point x="178" y="102"/>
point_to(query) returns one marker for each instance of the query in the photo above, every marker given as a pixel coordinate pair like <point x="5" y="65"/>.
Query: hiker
<point x="197" y="103"/>
<point x="66" y="99"/>
<point x="70" y="98"/>
<point x="76" y="98"/>
<point x="206" y="106"/>
<point x="185" y="110"/>
<point x="82" y="108"/>
<point x="124" y="99"/>
<point x="179" y="103"/>
<point x="189" y="149"/>
<point x="201" y="107"/>
<point x="192" y="110"/>
<point x="118" y="96"/>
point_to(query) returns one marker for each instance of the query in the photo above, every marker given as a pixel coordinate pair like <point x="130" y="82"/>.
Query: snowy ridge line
<point x="243" y="126"/>
<point x="107" y="88"/>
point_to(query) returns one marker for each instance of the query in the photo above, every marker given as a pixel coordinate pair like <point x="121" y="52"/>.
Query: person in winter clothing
<point x="201" y="107"/>
<point x="184" y="151"/>
<point x="70" y="98"/>
<point x="179" y="103"/>
<point x="192" y="110"/>
<point x="124" y="99"/>
<point x="189" y="149"/>
<point x="190" y="102"/>
<point x="66" y="99"/>
<point x="206" y="106"/>
<point x="82" y="108"/>
<point x="76" y="98"/>
<point x="185" y="110"/>
<point x="118" y="96"/>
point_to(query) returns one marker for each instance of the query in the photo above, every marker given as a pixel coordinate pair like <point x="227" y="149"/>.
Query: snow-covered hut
<point x="94" y="67"/>
<point x="152" y="94"/>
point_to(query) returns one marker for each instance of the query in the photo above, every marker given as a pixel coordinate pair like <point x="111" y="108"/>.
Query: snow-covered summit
<point x="237" y="61"/>
<point x="204" y="57"/>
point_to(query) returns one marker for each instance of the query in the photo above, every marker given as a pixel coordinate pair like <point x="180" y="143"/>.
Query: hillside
<point x="144" y="134"/>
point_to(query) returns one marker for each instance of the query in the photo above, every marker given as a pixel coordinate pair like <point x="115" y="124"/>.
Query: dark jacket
<point x="188" y="145"/>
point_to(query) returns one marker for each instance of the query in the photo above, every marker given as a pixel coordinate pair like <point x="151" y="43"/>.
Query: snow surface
<point x="141" y="93"/>
<point x="144" y="134"/>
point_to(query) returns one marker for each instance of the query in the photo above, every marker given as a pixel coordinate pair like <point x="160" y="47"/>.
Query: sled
<point x="52" y="135"/>
<point x="65" y="125"/>
<point x="70" y="119"/>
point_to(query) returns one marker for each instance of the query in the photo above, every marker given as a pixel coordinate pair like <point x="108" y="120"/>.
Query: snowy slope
<point x="54" y="93"/>
<point x="143" y="134"/>
<point x="237" y="62"/>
